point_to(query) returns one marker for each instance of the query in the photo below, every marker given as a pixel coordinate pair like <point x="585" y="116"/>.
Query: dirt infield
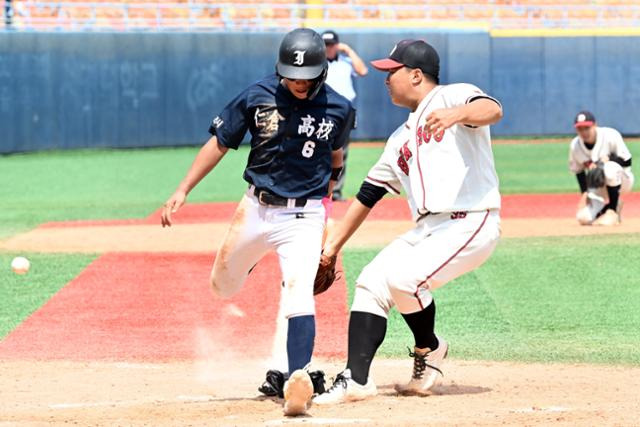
<point x="494" y="141"/>
<point x="221" y="391"/>
<point x="522" y="216"/>
<point x="189" y="237"/>
<point x="136" y="339"/>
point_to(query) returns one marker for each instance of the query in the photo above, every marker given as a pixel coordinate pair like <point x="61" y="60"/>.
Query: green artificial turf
<point x="560" y="299"/>
<point x="104" y="184"/>
<point x="21" y="295"/>
<point x="114" y="184"/>
<point x="539" y="168"/>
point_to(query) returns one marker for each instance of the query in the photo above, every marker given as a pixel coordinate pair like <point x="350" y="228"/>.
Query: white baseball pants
<point x="597" y="198"/>
<point x="294" y="233"/>
<point x="436" y="251"/>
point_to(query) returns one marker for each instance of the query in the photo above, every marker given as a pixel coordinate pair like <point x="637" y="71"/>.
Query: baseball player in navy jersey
<point x="595" y="145"/>
<point x="298" y="126"/>
<point x="441" y="156"/>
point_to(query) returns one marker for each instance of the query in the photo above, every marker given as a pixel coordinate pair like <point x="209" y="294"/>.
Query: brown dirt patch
<point x="495" y="141"/>
<point x="223" y="392"/>
<point x="207" y="237"/>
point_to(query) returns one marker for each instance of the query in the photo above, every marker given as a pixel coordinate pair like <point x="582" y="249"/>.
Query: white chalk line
<point x="320" y="421"/>
<point x="181" y="398"/>
<point x="534" y="409"/>
<point x="129" y="365"/>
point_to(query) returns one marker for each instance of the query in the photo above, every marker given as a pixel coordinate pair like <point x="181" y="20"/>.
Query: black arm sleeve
<point x="370" y="194"/>
<point x="582" y="181"/>
<point x="624" y="163"/>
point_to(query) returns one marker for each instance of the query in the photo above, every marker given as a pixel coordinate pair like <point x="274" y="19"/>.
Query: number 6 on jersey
<point x="307" y="149"/>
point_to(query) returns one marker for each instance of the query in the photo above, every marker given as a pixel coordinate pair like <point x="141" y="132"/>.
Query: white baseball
<point x="20" y="265"/>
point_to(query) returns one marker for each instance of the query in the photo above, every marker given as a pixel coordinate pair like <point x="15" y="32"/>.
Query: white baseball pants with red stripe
<point x="440" y="248"/>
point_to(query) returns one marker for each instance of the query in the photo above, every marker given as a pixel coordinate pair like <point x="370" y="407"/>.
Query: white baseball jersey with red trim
<point x="608" y="141"/>
<point x="450" y="176"/>
<point x="447" y="172"/>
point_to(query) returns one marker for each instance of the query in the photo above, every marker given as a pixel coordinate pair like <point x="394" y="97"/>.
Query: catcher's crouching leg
<point x="595" y="202"/>
<point x="584" y="216"/>
<point x="273" y="384"/>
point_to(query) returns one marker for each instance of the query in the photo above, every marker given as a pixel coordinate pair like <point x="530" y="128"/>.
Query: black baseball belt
<point x="268" y="198"/>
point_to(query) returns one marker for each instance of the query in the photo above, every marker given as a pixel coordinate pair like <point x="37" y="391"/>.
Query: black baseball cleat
<point x="317" y="378"/>
<point x="273" y="384"/>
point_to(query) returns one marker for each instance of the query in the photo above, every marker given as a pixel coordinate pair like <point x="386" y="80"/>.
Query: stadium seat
<point x="342" y="14"/>
<point x="123" y="14"/>
<point x="473" y="12"/>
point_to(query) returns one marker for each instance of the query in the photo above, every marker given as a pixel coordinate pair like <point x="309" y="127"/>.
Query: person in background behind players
<point x="344" y="64"/>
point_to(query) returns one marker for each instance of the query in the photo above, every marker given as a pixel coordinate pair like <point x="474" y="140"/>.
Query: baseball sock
<point x="614" y="195"/>
<point x="300" y="336"/>
<point x="421" y="324"/>
<point x="366" y="333"/>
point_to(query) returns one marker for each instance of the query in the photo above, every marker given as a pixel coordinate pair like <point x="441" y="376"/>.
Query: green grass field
<point x="542" y="299"/>
<point x="22" y="295"/>
<point x="537" y="299"/>
<point x="112" y="184"/>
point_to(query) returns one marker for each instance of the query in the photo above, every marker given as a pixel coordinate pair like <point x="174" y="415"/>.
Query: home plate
<point x="320" y="421"/>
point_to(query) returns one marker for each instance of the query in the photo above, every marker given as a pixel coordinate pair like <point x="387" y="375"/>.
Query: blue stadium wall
<point x="66" y="90"/>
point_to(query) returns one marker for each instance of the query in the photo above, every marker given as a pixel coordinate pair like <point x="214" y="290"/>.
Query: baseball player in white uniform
<point x="441" y="156"/>
<point x="599" y="145"/>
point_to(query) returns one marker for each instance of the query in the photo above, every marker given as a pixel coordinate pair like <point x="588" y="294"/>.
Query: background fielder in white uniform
<point x="593" y="144"/>
<point x="442" y="158"/>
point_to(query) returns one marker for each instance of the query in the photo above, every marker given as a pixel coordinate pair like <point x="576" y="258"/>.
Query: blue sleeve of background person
<point x="231" y="124"/>
<point x="348" y="60"/>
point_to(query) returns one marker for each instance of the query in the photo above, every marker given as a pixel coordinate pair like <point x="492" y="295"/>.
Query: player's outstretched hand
<point x="442" y="119"/>
<point x="171" y="206"/>
<point x="326" y="274"/>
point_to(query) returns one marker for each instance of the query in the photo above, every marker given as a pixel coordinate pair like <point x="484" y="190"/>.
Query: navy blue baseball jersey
<point x="291" y="138"/>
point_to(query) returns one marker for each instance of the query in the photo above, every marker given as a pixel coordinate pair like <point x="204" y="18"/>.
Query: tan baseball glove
<point x="326" y="274"/>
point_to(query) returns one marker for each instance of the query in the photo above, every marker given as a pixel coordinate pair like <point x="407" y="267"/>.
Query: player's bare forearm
<point x="337" y="158"/>
<point x="480" y="112"/>
<point x="207" y="158"/>
<point x="340" y="234"/>
<point x="358" y="64"/>
<point x="337" y="161"/>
